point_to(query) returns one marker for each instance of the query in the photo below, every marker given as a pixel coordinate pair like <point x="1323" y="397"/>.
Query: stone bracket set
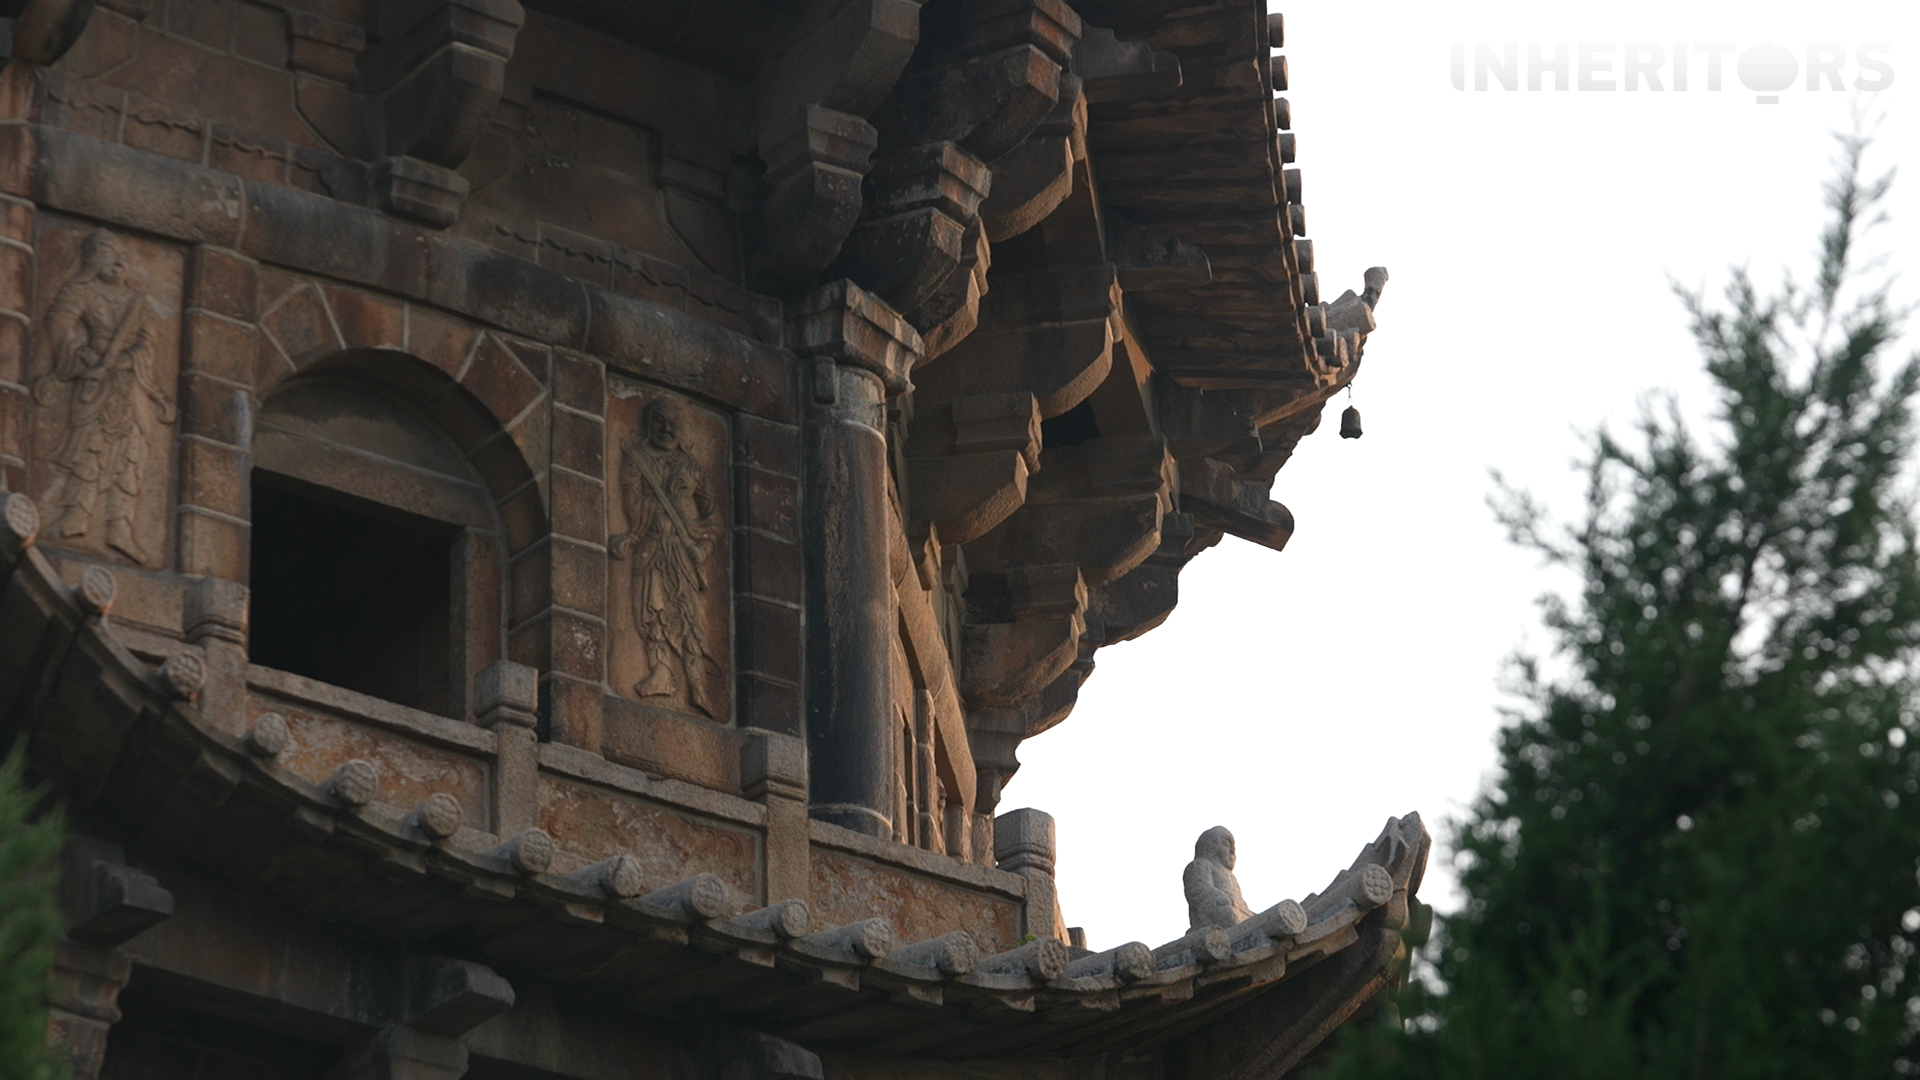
<point x="41" y="31"/>
<point x="108" y="903"/>
<point x="105" y="903"/>
<point x="414" y="98"/>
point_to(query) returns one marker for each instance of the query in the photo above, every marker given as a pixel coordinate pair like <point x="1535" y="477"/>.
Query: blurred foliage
<point x="29" y="924"/>
<point x="1699" y="857"/>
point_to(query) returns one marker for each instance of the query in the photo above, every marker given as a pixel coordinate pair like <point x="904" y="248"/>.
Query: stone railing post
<point x="1024" y="844"/>
<point x="215" y="620"/>
<point x="505" y="696"/>
<point x="773" y="771"/>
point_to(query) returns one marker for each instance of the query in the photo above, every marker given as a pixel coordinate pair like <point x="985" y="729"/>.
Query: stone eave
<point x="1205" y="163"/>
<point x="128" y="751"/>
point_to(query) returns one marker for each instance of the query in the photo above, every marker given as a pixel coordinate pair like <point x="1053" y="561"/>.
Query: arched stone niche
<point x="381" y="558"/>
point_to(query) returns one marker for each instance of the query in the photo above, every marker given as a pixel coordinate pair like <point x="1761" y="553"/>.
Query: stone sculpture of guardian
<point x="1213" y="895"/>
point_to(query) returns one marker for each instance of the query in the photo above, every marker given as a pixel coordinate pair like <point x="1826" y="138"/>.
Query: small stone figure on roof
<point x="1213" y="896"/>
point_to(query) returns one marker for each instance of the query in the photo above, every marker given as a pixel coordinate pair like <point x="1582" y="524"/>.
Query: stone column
<point x="1024" y="844"/>
<point x="861" y="351"/>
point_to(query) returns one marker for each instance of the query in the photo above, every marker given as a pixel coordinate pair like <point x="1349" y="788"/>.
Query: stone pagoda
<point x="533" y="531"/>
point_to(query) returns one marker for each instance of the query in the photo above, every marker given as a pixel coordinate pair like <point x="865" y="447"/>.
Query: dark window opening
<point x="1071" y="428"/>
<point x="352" y="594"/>
<point x="157" y="1039"/>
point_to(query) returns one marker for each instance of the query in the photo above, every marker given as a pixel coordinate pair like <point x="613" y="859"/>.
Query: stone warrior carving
<point x="103" y="356"/>
<point x="672" y="534"/>
<point x="1213" y="895"/>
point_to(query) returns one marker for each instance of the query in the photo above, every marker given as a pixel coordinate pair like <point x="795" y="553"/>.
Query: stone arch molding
<point x="478" y="389"/>
<point x="485" y="393"/>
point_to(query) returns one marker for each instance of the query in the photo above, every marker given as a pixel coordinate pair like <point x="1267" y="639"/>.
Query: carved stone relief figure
<point x="674" y="530"/>
<point x="1213" y="894"/>
<point x="103" y="377"/>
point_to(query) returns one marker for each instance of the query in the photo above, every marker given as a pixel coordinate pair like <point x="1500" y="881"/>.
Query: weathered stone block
<point x="16" y="219"/>
<point x="260" y="35"/>
<point x="451" y="997"/>
<point x="763" y="444"/>
<point x="415" y="189"/>
<point x="580" y="382"/>
<point x="18" y="165"/>
<point x="496" y="376"/>
<point x="159" y="129"/>
<point x="579" y="442"/>
<point x="95" y="179"/>
<point x="220" y="348"/>
<point x="769" y="638"/>
<point x="1024" y="840"/>
<point x="438" y="339"/>
<point x="211" y="545"/>
<point x="767" y="568"/>
<point x="215" y="609"/>
<point x="213" y="477"/>
<point x="571" y="711"/>
<point x="769" y="704"/>
<point x="579" y="506"/>
<point x="104" y="901"/>
<point x="321" y="236"/>
<point x="326" y="47"/>
<point x="215" y="410"/>
<point x="671" y="743"/>
<point x="505" y="291"/>
<point x="13" y="435"/>
<point x="208" y="22"/>
<point x="579" y="575"/>
<point x="222" y="282"/>
<point x="367" y="321"/>
<point x="299" y="324"/>
<point x="769" y="502"/>
<point x="326" y="174"/>
<point x="773" y="765"/>
<point x="578" y="645"/>
<point x="16" y="277"/>
<point x="523" y="516"/>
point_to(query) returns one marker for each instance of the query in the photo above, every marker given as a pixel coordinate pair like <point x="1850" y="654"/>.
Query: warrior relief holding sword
<point x="671" y="537"/>
<point x="103" y="355"/>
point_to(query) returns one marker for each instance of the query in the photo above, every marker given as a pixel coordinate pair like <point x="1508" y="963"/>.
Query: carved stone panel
<point x="406" y="773"/>
<point x="590" y="824"/>
<point x="847" y="888"/>
<point x="668" y="538"/>
<point x="104" y="388"/>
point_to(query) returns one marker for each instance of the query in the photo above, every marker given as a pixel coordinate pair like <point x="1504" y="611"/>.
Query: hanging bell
<point x="1350" y="423"/>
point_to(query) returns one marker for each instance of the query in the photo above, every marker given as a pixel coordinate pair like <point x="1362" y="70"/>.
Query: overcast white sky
<point x="1301" y="698"/>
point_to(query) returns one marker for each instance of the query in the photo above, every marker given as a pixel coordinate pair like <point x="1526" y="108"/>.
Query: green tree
<point x="29" y="924"/>
<point x="1699" y="857"/>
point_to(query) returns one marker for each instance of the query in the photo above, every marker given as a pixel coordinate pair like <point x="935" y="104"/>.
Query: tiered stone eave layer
<point x="126" y="748"/>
